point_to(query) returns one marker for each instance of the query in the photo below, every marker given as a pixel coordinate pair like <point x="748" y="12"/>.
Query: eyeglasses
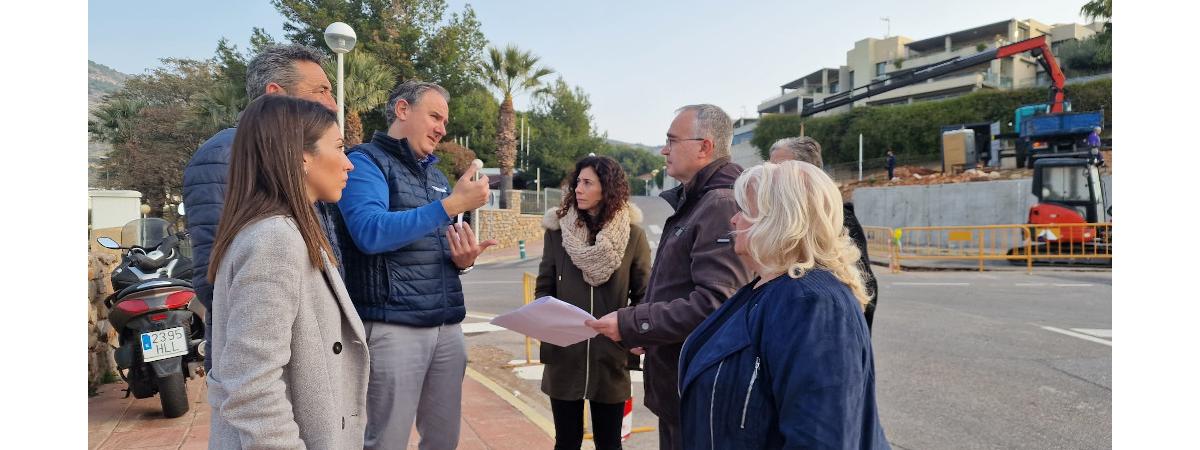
<point x="671" y="142"/>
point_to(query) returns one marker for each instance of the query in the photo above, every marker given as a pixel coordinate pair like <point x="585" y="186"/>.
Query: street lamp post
<point x="341" y="39"/>
<point x="653" y="173"/>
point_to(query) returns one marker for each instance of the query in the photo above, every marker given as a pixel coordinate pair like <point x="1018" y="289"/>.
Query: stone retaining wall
<point x="101" y="337"/>
<point x="509" y="226"/>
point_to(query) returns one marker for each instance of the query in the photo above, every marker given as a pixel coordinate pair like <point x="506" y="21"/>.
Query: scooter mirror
<point x="107" y="242"/>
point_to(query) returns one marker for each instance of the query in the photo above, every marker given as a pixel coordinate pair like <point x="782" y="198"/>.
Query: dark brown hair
<point x="613" y="185"/>
<point x="266" y="172"/>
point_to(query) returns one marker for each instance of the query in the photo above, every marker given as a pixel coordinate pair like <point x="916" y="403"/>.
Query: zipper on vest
<point x="712" y="442"/>
<point x="587" y="362"/>
<point x="749" y="390"/>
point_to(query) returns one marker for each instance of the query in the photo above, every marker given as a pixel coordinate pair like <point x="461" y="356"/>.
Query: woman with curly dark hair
<point x="595" y="257"/>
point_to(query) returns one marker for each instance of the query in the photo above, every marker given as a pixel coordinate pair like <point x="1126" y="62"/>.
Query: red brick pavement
<point x="114" y="422"/>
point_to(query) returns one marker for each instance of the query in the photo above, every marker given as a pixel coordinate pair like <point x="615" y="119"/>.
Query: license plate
<point x="164" y="344"/>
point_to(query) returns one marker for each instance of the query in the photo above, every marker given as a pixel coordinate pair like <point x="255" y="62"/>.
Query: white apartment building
<point x="873" y="59"/>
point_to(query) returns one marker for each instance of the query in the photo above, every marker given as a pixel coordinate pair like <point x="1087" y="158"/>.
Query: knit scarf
<point x="599" y="261"/>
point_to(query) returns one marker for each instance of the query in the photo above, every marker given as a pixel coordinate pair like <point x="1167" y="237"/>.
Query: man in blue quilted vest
<point x="402" y="264"/>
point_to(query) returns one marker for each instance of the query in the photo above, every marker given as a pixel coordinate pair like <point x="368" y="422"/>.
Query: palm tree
<point x="113" y="120"/>
<point x="511" y="71"/>
<point x="217" y="108"/>
<point x="368" y="83"/>
<point x="1097" y="9"/>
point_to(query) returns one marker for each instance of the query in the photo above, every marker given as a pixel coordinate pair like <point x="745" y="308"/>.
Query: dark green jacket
<point x="595" y="369"/>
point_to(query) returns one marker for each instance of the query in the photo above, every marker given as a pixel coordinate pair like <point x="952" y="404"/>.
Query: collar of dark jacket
<point x="401" y="150"/>
<point x="717" y="173"/>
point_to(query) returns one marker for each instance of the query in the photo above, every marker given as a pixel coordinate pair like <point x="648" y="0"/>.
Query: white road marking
<point x="481" y="316"/>
<point x="912" y="283"/>
<point x="1097" y="332"/>
<point x="655" y="229"/>
<point x="1031" y="284"/>
<point x="479" y="328"/>
<point x="1072" y="284"/>
<point x="1078" y="335"/>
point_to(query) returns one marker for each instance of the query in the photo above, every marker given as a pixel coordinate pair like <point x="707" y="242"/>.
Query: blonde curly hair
<point x="798" y="223"/>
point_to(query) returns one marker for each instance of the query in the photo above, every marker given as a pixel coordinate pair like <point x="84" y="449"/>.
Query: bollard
<point x="521" y="245"/>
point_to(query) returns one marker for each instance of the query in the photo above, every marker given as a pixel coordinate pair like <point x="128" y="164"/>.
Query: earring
<point x="305" y="170"/>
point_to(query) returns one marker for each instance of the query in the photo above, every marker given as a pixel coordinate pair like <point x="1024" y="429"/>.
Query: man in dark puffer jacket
<point x="808" y="150"/>
<point x="292" y="70"/>
<point x="403" y="257"/>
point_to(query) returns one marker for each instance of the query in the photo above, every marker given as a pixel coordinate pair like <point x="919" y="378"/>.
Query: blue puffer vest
<point x="204" y="197"/>
<point x="416" y="285"/>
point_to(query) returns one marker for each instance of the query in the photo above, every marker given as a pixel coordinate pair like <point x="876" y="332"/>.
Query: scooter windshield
<point x="145" y="233"/>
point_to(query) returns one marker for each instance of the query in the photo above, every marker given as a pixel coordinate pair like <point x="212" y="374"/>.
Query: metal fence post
<point x="981" y="249"/>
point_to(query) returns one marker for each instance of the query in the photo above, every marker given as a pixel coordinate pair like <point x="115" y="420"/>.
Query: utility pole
<point x="889" y="26"/>
<point x="860" y="156"/>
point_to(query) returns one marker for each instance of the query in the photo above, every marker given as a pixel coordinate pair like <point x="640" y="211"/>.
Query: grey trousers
<point x="416" y="373"/>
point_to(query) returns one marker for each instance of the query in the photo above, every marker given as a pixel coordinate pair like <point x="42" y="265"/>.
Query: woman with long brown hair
<point x="290" y="367"/>
<point x="595" y="257"/>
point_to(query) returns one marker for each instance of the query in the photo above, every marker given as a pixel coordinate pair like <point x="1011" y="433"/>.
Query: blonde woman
<point x="786" y="362"/>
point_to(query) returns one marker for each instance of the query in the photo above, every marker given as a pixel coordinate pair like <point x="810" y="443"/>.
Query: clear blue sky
<point x="638" y="61"/>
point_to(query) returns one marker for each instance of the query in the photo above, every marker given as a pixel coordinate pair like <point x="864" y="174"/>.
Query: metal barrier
<point x="879" y="242"/>
<point x="1014" y="243"/>
<point x="1071" y="241"/>
<point x="971" y="243"/>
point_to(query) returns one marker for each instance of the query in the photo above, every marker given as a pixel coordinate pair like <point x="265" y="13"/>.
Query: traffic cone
<point x="627" y="420"/>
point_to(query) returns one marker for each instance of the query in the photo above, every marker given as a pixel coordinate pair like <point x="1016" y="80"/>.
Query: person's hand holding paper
<point x="549" y="319"/>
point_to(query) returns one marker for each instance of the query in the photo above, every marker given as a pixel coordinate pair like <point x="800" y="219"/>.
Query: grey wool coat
<point x="595" y="369"/>
<point x="290" y="361"/>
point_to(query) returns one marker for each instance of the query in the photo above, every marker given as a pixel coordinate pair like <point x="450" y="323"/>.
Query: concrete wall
<point x="979" y="203"/>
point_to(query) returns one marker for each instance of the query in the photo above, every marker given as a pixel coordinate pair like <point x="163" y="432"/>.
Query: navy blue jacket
<point x="790" y="367"/>
<point x="203" y="198"/>
<point x="397" y="258"/>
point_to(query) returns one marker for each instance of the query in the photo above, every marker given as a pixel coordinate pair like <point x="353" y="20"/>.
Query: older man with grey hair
<point x="695" y="269"/>
<point x="292" y="70"/>
<point x="801" y="148"/>
<point x="808" y="150"/>
<point x="403" y="258"/>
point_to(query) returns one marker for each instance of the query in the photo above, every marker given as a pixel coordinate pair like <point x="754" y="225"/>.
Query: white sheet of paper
<point x="548" y="319"/>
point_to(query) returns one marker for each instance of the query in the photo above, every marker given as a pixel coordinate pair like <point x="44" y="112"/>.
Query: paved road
<point x="964" y="359"/>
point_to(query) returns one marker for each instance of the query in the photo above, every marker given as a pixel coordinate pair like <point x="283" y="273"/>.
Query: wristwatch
<point x="464" y="271"/>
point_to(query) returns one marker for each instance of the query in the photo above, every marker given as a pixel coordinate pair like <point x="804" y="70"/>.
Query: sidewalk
<point x="489" y="421"/>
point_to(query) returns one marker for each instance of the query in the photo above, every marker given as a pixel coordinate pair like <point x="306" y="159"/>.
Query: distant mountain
<point x="102" y="80"/>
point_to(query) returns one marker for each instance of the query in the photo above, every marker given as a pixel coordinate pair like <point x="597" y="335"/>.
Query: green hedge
<point x="913" y="130"/>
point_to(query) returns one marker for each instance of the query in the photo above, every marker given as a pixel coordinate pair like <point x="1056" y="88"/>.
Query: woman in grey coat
<point x="290" y="365"/>
<point x="595" y="257"/>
